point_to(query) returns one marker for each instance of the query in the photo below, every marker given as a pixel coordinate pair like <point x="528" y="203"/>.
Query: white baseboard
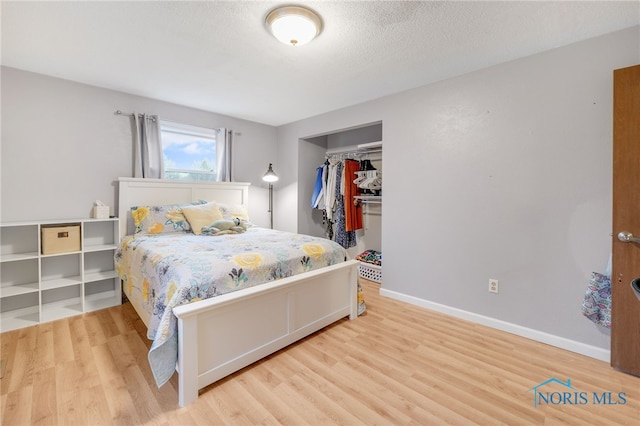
<point x="529" y="333"/>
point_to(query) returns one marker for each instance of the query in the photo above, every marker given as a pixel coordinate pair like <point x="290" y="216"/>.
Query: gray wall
<point x="63" y="147"/>
<point x="502" y="173"/>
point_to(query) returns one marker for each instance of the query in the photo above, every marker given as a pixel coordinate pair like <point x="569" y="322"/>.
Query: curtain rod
<point x="130" y="114"/>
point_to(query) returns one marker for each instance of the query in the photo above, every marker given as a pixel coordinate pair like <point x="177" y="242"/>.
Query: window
<point x="192" y="153"/>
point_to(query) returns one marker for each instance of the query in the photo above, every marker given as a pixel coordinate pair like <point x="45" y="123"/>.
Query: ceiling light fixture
<point x="294" y="25"/>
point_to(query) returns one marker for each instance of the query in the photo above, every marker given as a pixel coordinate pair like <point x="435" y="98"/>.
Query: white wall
<point x="63" y="147"/>
<point x="502" y="173"/>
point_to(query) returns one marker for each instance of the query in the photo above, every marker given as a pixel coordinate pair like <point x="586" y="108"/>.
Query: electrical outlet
<point x="493" y="285"/>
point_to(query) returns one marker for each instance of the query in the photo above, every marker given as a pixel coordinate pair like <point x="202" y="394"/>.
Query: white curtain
<point x="223" y="147"/>
<point x="147" y="157"/>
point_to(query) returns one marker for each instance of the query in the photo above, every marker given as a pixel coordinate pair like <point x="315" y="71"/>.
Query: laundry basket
<point x="370" y="272"/>
<point x="370" y="267"/>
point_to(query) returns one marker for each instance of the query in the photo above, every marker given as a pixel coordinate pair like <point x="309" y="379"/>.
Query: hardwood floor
<point x="397" y="364"/>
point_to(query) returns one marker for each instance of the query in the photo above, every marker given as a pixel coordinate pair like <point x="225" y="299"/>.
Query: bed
<point x="212" y="337"/>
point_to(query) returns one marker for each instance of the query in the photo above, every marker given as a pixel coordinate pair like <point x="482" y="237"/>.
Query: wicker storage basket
<point x="60" y="238"/>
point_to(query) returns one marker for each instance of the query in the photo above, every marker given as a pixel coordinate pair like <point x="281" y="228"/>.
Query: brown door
<point x="625" y="314"/>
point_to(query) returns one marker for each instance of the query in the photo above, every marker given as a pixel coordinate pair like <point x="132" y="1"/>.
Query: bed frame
<point x="219" y="336"/>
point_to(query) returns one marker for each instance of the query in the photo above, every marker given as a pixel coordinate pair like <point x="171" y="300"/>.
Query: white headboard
<point x="156" y="192"/>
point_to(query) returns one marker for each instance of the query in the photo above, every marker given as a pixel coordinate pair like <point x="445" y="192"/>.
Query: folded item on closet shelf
<point x="370" y="256"/>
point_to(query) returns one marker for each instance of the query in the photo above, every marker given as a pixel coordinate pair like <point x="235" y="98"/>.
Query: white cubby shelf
<point x="36" y="288"/>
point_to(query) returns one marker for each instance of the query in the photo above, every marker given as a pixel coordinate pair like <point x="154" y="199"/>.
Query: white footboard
<point x="219" y="336"/>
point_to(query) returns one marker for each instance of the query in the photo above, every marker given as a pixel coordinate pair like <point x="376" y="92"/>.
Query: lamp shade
<point x="294" y="25"/>
<point x="270" y="176"/>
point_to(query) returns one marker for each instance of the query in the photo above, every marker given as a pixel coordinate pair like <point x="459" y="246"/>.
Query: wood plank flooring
<point x="396" y="365"/>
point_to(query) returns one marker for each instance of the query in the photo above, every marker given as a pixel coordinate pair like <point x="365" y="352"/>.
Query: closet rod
<point x="341" y="155"/>
<point x="352" y="154"/>
<point x="130" y="114"/>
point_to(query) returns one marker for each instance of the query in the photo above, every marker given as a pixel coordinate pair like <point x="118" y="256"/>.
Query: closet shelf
<point x="356" y="151"/>
<point x="373" y="199"/>
<point x="370" y="146"/>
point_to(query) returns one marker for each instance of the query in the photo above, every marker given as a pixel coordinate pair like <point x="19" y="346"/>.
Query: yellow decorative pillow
<point x="201" y="215"/>
<point x="159" y="219"/>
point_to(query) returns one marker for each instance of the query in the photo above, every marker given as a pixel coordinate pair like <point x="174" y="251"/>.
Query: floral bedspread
<point x="168" y="270"/>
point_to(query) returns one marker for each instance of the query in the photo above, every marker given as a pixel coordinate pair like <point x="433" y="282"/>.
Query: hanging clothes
<point x="352" y="212"/>
<point x="331" y="189"/>
<point x="368" y="167"/>
<point x="325" y="171"/>
<point x="320" y="199"/>
<point x="343" y="237"/>
<point x="318" y="189"/>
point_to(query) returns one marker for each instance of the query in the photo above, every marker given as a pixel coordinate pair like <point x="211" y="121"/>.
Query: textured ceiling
<point x="218" y="56"/>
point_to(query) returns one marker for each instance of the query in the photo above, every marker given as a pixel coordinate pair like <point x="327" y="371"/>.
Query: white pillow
<point x="231" y="211"/>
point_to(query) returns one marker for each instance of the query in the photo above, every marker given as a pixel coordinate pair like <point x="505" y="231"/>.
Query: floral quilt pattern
<point x="168" y="270"/>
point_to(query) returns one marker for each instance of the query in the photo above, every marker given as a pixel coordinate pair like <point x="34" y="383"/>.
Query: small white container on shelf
<point x="100" y="212"/>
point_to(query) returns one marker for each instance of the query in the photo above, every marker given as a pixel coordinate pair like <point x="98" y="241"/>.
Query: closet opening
<point x="358" y="151"/>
